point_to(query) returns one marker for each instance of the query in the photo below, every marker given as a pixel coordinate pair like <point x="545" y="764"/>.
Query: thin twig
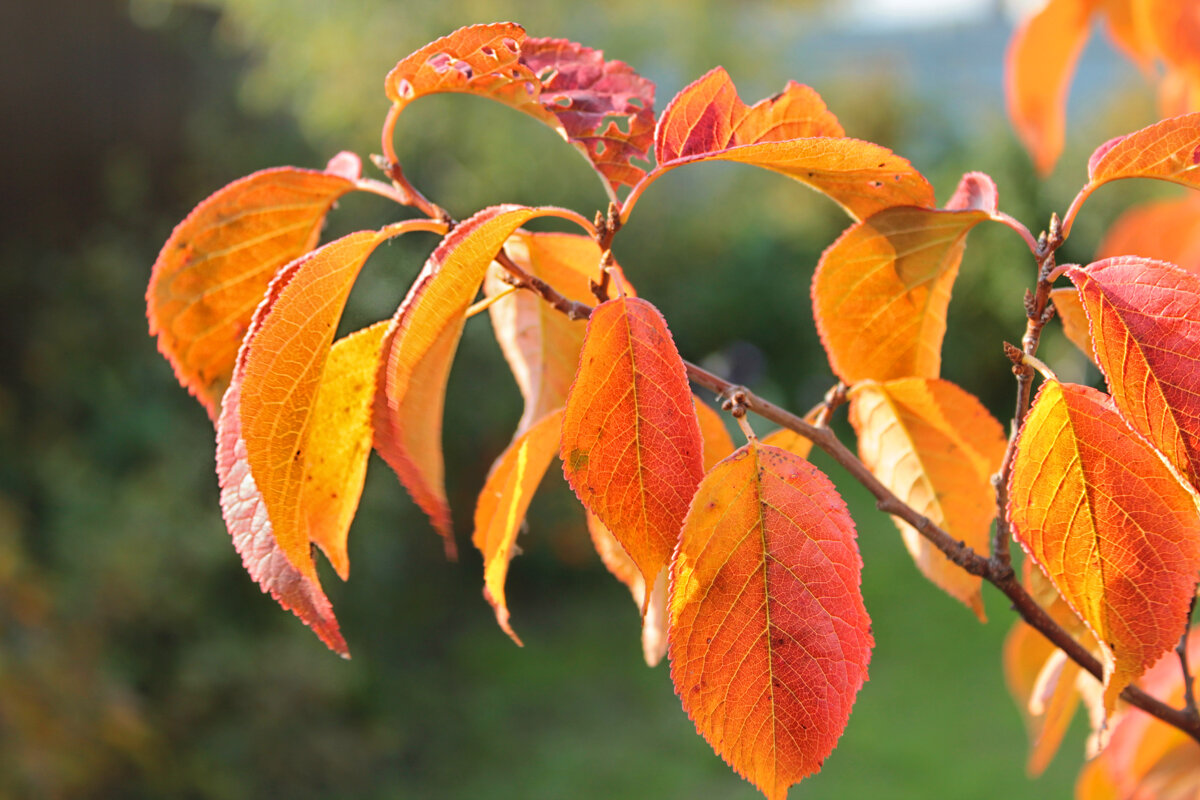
<point x="1189" y="692"/>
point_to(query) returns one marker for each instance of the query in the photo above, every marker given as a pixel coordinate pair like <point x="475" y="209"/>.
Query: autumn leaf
<point x="788" y="440"/>
<point x="567" y="86"/>
<point x="631" y="444"/>
<point x="1069" y="309"/>
<point x="419" y="348"/>
<point x="714" y="436"/>
<point x="214" y="268"/>
<point x="793" y="134"/>
<point x="1042" y="681"/>
<point x="1145" y="328"/>
<point x="1166" y="230"/>
<point x="502" y="504"/>
<point x="769" y="638"/>
<point x="1104" y="518"/>
<point x="880" y="292"/>
<point x="1038" y="67"/>
<point x="936" y="447"/>
<point x="1168" y="150"/>
<point x="540" y="344"/>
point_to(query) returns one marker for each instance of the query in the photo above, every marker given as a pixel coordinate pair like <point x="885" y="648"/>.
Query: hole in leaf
<point x="562" y="101"/>
<point x="464" y="68"/>
<point x="1196" y="156"/>
<point x="876" y="184"/>
<point x="439" y="62"/>
<point x="636" y="102"/>
<point x="530" y="89"/>
<point x="404" y="89"/>
<point x="510" y="45"/>
<point x="488" y="51"/>
<point x="601" y="147"/>
<point x="611" y="124"/>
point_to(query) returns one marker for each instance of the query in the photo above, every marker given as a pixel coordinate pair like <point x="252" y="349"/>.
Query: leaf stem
<point x="1181" y="650"/>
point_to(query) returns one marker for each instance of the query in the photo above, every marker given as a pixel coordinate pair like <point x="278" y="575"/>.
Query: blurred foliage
<point x="137" y="659"/>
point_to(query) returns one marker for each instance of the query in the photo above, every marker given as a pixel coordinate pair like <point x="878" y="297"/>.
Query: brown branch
<point x="1181" y="650"/>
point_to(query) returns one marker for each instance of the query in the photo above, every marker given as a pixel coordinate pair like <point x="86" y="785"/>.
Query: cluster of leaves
<point x="743" y="561"/>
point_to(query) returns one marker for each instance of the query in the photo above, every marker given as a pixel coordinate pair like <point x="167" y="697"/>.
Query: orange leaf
<point x="717" y="443"/>
<point x="788" y="440"/>
<point x="567" y="86"/>
<point x="1145" y="324"/>
<point x="213" y="270"/>
<point x="1167" y="230"/>
<point x="792" y="133"/>
<point x="1069" y="308"/>
<point x="1038" y="67"/>
<point x="1042" y="681"/>
<point x="1108" y="523"/>
<point x="541" y="344"/>
<point x="618" y="562"/>
<point x="1168" y="150"/>
<point x="419" y="348"/>
<point x="341" y="442"/>
<point x="631" y="444"/>
<point x="505" y="497"/>
<point x="265" y="443"/>
<point x="937" y="448"/>
<point x="769" y="638"/>
<point x="880" y="292"/>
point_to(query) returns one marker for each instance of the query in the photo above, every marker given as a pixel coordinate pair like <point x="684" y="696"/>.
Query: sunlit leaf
<point x="1145" y="328"/>
<point x="788" y="440"/>
<point x="792" y="133"/>
<point x="937" y="448"/>
<point x="502" y="504"/>
<point x="717" y="443"/>
<point x="1042" y="681"/>
<point x="1039" y="64"/>
<point x="567" y="86"/>
<point x="1104" y="518"/>
<point x="419" y="348"/>
<point x="213" y="270"/>
<point x="1167" y="230"/>
<point x="880" y="292"/>
<point x="769" y="638"/>
<point x="1069" y="309"/>
<point x="631" y="445"/>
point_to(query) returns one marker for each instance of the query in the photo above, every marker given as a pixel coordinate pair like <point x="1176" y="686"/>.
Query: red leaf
<point x="631" y="445"/>
<point x="769" y="638"/>
<point x="214" y="268"/>
<point x="1145" y="328"/>
<point x="1103" y="517"/>
<point x="567" y="86"/>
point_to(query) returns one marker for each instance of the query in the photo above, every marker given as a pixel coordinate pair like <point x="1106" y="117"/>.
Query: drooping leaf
<point x="880" y="292"/>
<point x="631" y="444"/>
<point x="213" y="270"/>
<point x="340" y="442"/>
<point x="1042" y="682"/>
<point x="1168" y="150"/>
<point x="793" y="134"/>
<point x="936" y="447"/>
<point x="717" y="443"/>
<point x="1039" y="64"/>
<point x="419" y="348"/>
<point x="788" y="440"/>
<point x="1167" y="230"/>
<point x="502" y="504"/>
<point x="541" y="344"/>
<point x="1145" y="328"/>
<point x="769" y="638"/>
<point x="1118" y="536"/>
<point x="564" y="85"/>
<point x="1069" y="309"/>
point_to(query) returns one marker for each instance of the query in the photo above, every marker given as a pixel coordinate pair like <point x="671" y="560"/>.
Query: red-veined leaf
<point x="214" y="268"/>
<point x="1069" y="308"/>
<point x="1119" y="537"/>
<point x="1145" y="328"/>
<point x="502" y="504"/>
<point x="1168" y="150"/>
<point x="880" y="292"/>
<point x="769" y="638"/>
<point x="631" y="444"/>
<point x="567" y="86"/>
<point x="419" y="348"/>
<point x="1038" y="67"/>
<point x="267" y="444"/>
<point x="1042" y="681"/>
<point x="1166" y="230"/>
<point x="792" y="133"/>
<point x="540" y="343"/>
<point x="936" y="447"/>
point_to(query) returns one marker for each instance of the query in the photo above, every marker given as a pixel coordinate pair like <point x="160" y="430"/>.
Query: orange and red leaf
<point x="1166" y="230"/>
<point x="631" y="444"/>
<point x="1105" y="519"/>
<point x="769" y="640"/>
<point x="213" y="270"/>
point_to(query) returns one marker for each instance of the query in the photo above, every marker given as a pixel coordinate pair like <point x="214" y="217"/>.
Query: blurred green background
<point x="136" y="657"/>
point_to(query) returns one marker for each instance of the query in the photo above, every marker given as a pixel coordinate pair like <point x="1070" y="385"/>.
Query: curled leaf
<point x="769" y="638"/>
<point x="213" y="270"/>
<point x="1108" y="523"/>
<point x="631" y="444"/>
